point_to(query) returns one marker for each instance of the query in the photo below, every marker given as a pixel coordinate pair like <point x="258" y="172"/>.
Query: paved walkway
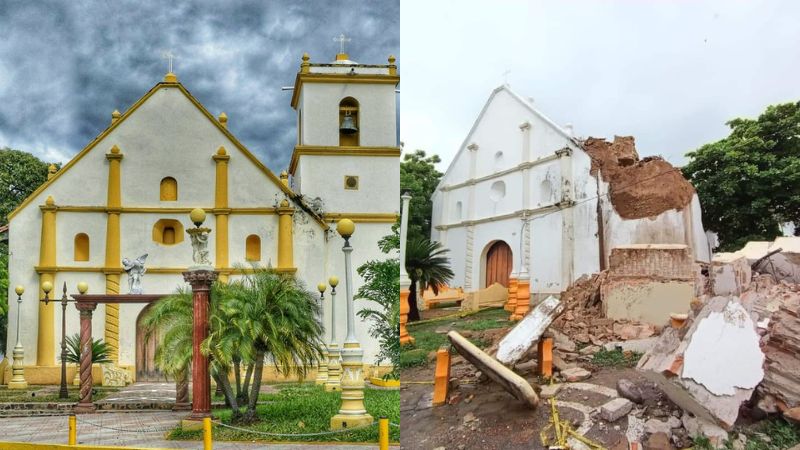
<point x="141" y="429"/>
<point x="145" y="392"/>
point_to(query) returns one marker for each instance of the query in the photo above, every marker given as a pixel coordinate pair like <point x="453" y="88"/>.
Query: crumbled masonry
<point x="639" y="188"/>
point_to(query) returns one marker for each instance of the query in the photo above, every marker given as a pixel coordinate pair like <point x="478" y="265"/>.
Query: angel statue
<point x="135" y="270"/>
<point x="200" y="246"/>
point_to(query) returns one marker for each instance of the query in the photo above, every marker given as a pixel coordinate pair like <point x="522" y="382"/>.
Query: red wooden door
<point x="498" y="264"/>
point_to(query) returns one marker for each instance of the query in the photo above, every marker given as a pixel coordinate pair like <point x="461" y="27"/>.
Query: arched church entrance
<point x="499" y="263"/>
<point x="146" y="369"/>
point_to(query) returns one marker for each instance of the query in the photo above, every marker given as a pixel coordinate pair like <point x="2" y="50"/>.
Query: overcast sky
<point x="670" y="73"/>
<point x="65" y="66"/>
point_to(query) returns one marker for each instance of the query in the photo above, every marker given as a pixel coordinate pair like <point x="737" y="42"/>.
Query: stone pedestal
<point x="18" y="371"/>
<point x="352" y="413"/>
<point x="334" y="381"/>
<point x="405" y="338"/>
<point x="200" y="279"/>
<point x="322" y="369"/>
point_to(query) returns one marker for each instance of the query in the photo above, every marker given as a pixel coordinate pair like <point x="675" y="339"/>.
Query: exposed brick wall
<point x="663" y="261"/>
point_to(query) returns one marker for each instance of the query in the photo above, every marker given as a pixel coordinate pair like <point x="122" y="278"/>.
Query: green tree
<point x="428" y="267"/>
<point x="749" y="182"/>
<point x="100" y="353"/>
<point x="20" y="174"/>
<point x="382" y="287"/>
<point x="419" y="177"/>
<point x="263" y="315"/>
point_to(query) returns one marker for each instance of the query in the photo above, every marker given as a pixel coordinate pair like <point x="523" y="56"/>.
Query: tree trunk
<point x="227" y="391"/>
<point x="244" y="397"/>
<point x="413" y="313"/>
<point x="238" y="375"/>
<point x="250" y="414"/>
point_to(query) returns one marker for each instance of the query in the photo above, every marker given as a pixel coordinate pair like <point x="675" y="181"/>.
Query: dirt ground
<point x="481" y="415"/>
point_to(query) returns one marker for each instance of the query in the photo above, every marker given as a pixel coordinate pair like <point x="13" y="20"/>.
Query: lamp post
<point x="334" y="382"/>
<point x="46" y="288"/>
<point x="405" y="282"/>
<point x="322" y="365"/>
<point x="352" y="412"/>
<point x="18" y="368"/>
<point x="200" y="276"/>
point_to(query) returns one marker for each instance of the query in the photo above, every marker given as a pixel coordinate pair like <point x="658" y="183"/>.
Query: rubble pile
<point x="782" y="377"/>
<point x="639" y="188"/>
<point x="583" y="320"/>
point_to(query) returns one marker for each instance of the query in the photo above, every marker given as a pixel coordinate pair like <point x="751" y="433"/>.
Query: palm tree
<point x="427" y="267"/>
<point x="382" y="287"/>
<point x="100" y="352"/>
<point x="279" y="318"/>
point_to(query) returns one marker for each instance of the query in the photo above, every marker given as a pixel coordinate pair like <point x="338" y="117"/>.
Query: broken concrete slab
<point x="665" y="364"/>
<point x="724" y="352"/>
<point x="550" y="390"/>
<point x="615" y="409"/>
<point x="696" y="426"/>
<point x="630" y="390"/>
<point x="653" y="426"/>
<point x="522" y="337"/>
<point x="575" y="374"/>
<point x="729" y="274"/>
<point x="502" y="375"/>
<point x="633" y="345"/>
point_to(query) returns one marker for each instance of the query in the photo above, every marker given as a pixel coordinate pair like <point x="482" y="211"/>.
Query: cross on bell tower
<point x="341" y="40"/>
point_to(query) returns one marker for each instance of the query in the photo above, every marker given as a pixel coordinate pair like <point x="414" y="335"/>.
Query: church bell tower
<point x="347" y="153"/>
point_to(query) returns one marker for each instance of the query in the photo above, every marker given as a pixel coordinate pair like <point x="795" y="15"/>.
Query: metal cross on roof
<point x="341" y="40"/>
<point x="169" y="56"/>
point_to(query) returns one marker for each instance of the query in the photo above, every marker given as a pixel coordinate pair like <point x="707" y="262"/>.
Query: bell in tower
<point x="348" y="125"/>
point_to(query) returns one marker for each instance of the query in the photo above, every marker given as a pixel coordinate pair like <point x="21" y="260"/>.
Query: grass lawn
<point x="428" y="340"/>
<point x="305" y="408"/>
<point x="44" y="394"/>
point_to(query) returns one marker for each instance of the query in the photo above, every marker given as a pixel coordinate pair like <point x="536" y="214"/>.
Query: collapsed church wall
<point x="645" y="201"/>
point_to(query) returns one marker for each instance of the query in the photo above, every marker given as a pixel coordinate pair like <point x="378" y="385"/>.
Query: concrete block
<point x="500" y="374"/>
<point x="575" y="374"/>
<point x="615" y="409"/>
<point x="691" y="365"/>
<point x="730" y="274"/>
<point x="520" y="339"/>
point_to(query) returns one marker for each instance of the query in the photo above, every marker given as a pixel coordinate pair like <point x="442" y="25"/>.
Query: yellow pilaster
<point x="392" y="65"/>
<point x="221" y="210"/>
<point x="45" y="345"/>
<point x="285" y="238"/>
<point x="113" y="254"/>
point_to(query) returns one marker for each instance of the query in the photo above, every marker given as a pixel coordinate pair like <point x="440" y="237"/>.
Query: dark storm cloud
<point x="64" y="66"/>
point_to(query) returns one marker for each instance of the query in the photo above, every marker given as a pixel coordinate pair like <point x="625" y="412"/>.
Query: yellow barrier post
<point x="73" y="430"/>
<point x="383" y="433"/>
<point x="207" y="433"/>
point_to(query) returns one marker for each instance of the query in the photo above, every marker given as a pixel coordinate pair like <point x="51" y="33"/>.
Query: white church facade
<point x="521" y="196"/>
<point x="130" y="190"/>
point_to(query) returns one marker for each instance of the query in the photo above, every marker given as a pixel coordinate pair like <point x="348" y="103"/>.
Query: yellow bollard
<point x="383" y="433"/>
<point x="207" y="433"/>
<point x="73" y="430"/>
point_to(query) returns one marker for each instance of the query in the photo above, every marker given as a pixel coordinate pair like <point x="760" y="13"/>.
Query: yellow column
<point x="285" y="239"/>
<point x="45" y="345"/>
<point x="221" y="211"/>
<point x="113" y="265"/>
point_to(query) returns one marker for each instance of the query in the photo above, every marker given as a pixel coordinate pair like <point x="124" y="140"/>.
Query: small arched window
<point x="81" y="251"/>
<point x="169" y="189"/>
<point x="253" y="248"/>
<point x="498" y="160"/>
<point x="168" y="232"/>
<point x="459" y="211"/>
<point x="349" y="124"/>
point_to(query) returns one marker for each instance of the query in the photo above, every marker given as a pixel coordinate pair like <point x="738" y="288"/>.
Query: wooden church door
<point x="499" y="263"/>
<point x="146" y="369"/>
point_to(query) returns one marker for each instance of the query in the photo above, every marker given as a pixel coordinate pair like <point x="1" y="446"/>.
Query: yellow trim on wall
<point x="268" y="173"/>
<point x="164" y="210"/>
<point x="318" y="150"/>
<point x="344" y="78"/>
<point x="362" y="217"/>
<point x="285" y="236"/>
<point x="49" y="270"/>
